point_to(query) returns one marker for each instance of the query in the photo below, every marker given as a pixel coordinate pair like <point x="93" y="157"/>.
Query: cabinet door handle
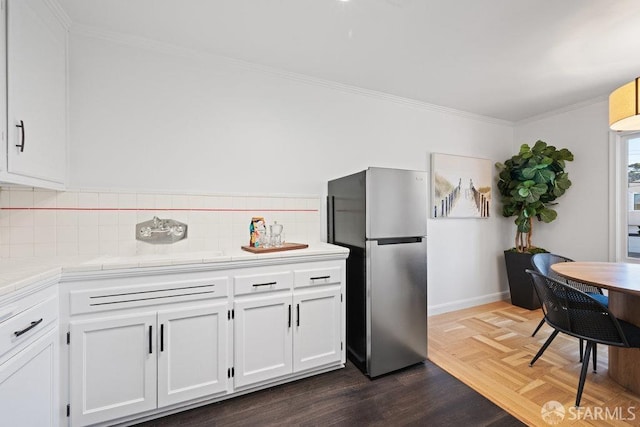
<point x="297" y="314"/>
<point x="150" y="339"/>
<point x="289" y="315"/>
<point x="320" y="277"/>
<point x="264" y="284"/>
<point x="21" y="145"/>
<point x="28" y="328"/>
<point x="162" y="337"/>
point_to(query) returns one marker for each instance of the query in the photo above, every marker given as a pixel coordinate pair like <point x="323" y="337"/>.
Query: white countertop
<point x="19" y="273"/>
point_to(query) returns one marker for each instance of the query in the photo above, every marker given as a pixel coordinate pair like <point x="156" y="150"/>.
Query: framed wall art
<point x="460" y="186"/>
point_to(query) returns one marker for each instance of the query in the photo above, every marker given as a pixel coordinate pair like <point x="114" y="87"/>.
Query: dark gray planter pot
<point x="522" y="292"/>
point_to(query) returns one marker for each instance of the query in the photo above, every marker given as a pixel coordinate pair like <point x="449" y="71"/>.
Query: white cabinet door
<point x="262" y="338"/>
<point x="28" y="386"/>
<point x="36" y="85"/>
<point x="317" y="328"/>
<point x="112" y="367"/>
<point x="192" y="353"/>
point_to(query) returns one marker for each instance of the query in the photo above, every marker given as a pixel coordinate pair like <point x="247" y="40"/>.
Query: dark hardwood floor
<point x="420" y="395"/>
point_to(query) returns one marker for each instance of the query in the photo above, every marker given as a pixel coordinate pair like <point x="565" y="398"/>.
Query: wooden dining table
<point x="622" y="281"/>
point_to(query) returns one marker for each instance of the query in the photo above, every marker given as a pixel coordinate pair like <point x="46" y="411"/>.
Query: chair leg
<point x="538" y="328"/>
<point x="581" y="348"/>
<point x="544" y="347"/>
<point x="583" y="372"/>
<point x="595" y="357"/>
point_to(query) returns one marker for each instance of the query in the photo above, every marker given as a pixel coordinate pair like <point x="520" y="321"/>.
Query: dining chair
<point x="579" y="314"/>
<point x="542" y="263"/>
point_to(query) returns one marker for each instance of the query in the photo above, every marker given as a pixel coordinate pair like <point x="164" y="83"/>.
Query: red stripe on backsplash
<point x="160" y="209"/>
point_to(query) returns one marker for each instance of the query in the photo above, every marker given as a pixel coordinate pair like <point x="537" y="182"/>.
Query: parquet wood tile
<point x="489" y="348"/>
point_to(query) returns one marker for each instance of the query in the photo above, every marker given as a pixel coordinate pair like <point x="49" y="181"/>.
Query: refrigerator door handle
<point x="331" y="228"/>
<point x="399" y="240"/>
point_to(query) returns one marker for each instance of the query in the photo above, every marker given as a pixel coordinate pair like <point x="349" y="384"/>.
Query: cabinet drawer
<point x="317" y="276"/>
<point x="19" y="328"/>
<point x="266" y="282"/>
<point x="118" y="297"/>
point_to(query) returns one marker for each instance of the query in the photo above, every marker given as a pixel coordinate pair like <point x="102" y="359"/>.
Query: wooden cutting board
<point x="285" y="247"/>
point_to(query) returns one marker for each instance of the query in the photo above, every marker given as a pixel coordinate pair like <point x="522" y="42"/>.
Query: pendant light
<point x="624" y="107"/>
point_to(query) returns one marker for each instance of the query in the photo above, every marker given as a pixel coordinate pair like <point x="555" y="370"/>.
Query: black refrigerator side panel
<point x="346" y="204"/>
<point x="357" y="308"/>
<point x="346" y="226"/>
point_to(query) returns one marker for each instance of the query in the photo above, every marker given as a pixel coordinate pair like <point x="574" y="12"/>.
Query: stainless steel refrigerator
<point x="380" y="215"/>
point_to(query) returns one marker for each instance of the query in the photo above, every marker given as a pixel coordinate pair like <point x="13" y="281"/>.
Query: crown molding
<point x="171" y="49"/>
<point x="59" y="12"/>
<point x="561" y="110"/>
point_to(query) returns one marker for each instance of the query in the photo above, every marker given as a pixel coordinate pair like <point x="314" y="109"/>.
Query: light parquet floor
<point x="489" y="348"/>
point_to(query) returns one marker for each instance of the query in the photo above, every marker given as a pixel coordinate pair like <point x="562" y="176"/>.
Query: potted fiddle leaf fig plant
<point x="529" y="184"/>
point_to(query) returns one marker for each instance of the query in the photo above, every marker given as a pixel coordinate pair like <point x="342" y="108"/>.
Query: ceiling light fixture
<point x="624" y="107"/>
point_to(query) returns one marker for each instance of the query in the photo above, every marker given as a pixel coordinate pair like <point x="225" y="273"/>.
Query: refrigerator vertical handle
<point x="331" y="231"/>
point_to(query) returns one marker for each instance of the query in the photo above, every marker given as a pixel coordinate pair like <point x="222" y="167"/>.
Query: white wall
<point x="144" y="119"/>
<point x="581" y="229"/>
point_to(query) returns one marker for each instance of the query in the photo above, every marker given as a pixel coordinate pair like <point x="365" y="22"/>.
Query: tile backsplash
<point x="36" y="222"/>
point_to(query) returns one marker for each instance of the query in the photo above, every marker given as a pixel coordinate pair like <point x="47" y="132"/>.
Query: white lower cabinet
<point x="192" y="359"/>
<point x="28" y="386"/>
<point x="112" y="367"/>
<point x="143" y="343"/>
<point x="29" y="357"/>
<point x="317" y="338"/>
<point x="277" y="335"/>
<point x="127" y="364"/>
<point x="262" y="338"/>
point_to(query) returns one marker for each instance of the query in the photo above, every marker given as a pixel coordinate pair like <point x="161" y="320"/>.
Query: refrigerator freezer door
<point x="396" y="203"/>
<point x="397" y="305"/>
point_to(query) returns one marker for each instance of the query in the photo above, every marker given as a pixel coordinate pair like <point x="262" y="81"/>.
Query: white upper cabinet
<point x="35" y="151"/>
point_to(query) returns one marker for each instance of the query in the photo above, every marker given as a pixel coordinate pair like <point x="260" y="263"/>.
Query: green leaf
<point x="547" y="215"/>
<point x="546" y="175"/>
<point x="524" y="148"/>
<point x="529" y="211"/>
<point x="539" y="146"/>
<point x="509" y="210"/>
<point x="538" y="189"/>
<point x="565" y="154"/>
<point x="562" y="181"/>
<point x="523" y="224"/>
<point x="528" y="173"/>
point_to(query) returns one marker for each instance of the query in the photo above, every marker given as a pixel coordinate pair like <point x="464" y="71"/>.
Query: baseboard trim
<point x="466" y="303"/>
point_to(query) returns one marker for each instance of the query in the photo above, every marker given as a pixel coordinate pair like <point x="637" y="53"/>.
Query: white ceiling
<point x="507" y="59"/>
